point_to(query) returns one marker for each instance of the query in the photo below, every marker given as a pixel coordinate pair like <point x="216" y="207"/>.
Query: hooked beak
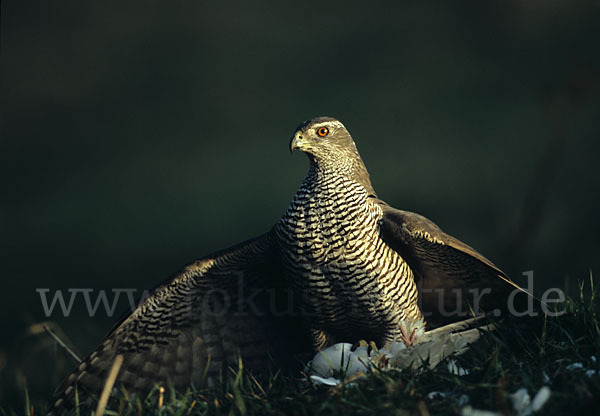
<point x="296" y="142"/>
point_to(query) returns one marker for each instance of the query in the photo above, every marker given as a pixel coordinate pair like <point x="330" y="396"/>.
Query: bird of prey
<point x="340" y="265"/>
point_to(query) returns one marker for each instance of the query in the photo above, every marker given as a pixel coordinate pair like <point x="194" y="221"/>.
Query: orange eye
<point x="322" y="131"/>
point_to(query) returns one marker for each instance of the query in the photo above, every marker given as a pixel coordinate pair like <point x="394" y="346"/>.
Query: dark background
<point x="136" y="136"/>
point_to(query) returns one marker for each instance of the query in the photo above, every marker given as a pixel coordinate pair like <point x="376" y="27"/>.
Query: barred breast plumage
<point x="351" y="285"/>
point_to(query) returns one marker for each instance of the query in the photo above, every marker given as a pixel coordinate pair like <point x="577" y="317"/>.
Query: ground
<point x="561" y="353"/>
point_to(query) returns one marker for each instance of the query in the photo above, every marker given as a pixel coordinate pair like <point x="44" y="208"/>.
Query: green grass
<point x="527" y="355"/>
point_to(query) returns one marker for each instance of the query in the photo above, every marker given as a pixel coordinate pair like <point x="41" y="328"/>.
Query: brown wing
<point x="195" y="325"/>
<point x="452" y="276"/>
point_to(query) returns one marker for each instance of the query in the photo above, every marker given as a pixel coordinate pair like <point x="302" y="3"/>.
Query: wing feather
<point x="452" y="276"/>
<point x="195" y="325"/>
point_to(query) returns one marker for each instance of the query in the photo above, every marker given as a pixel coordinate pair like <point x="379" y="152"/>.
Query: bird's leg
<point x="320" y="339"/>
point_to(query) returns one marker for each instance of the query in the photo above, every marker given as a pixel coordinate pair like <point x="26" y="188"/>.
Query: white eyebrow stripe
<point x="332" y="123"/>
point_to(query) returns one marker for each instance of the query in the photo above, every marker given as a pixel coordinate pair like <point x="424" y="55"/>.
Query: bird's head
<point x="330" y="147"/>
<point x="323" y="138"/>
